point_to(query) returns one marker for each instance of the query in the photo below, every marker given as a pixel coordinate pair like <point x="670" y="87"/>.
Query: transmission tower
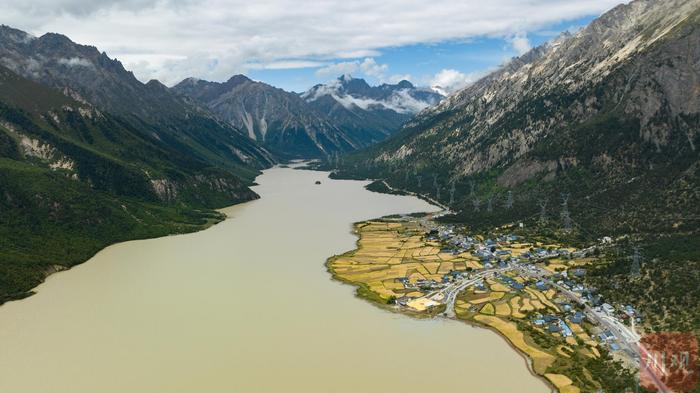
<point x="565" y="216"/>
<point x="509" y="200"/>
<point x="472" y="187"/>
<point x="452" y="194"/>
<point x="636" y="269"/>
<point x="476" y="203"/>
<point x="489" y="204"/>
<point x="420" y="178"/>
<point x="437" y="191"/>
<point x="543" y="211"/>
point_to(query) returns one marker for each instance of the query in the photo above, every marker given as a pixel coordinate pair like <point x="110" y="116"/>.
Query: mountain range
<point x="355" y="106"/>
<point x="609" y="114"/>
<point x="603" y="121"/>
<point x="89" y="155"/>
<point x="591" y="136"/>
<point x="339" y="117"/>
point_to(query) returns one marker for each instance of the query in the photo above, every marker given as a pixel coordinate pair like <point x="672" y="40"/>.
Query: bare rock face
<point x="524" y="170"/>
<point x="609" y="115"/>
<point x="342" y="116"/>
<point x="278" y="119"/>
<point x="165" y="189"/>
<point x="638" y="64"/>
<point x="378" y="111"/>
<point x="90" y="77"/>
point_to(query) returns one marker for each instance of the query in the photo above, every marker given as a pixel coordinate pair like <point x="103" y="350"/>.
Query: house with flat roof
<point x="578" y="318"/>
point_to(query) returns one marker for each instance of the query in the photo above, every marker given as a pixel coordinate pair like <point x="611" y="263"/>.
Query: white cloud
<point x="400" y="101"/>
<point x="394" y="79"/>
<point x="287" y="64"/>
<point x="520" y="43"/>
<point x="371" y="68"/>
<point x="75" y="62"/>
<point x="337" y="69"/>
<point x="213" y="39"/>
<point x="367" y="67"/>
<point x="448" y="81"/>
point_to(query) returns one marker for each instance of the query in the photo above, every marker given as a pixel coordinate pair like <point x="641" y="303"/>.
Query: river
<point x="245" y="306"/>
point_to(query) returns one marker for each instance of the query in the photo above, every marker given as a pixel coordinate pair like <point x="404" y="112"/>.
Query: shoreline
<point x="360" y="288"/>
<point x="528" y="360"/>
<point x="53" y="270"/>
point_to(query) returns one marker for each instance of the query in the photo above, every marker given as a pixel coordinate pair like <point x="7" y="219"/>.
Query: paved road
<point x="451" y="291"/>
<point x="628" y="338"/>
<point x="423" y="196"/>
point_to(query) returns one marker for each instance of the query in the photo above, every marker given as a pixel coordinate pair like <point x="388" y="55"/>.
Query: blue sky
<point x="294" y="44"/>
<point x="473" y="56"/>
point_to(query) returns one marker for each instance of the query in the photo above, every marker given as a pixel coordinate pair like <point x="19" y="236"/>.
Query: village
<point x="533" y="294"/>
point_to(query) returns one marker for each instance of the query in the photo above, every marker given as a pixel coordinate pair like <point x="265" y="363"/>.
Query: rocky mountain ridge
<point x="353" y="104"/>
<point x="613" y="109"/>
<point x="564" y="66"/>
<point x="327" y="120"/>
<point x="89" y="76"/>
<point x="278" y="119"/>
<point x="89" y="156"/>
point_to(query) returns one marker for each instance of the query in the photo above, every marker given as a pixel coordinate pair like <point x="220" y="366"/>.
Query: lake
<point x="245" y="306"/>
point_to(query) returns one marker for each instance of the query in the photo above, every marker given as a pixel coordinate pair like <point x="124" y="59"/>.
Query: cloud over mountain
<point x="172" y="39"/>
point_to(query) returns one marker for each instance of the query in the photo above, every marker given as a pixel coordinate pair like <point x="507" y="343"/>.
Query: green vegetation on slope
<point x="74" y="179"/>
<point x="51" y="221"/>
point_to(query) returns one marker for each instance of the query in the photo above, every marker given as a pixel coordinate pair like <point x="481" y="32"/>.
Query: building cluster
<point x="497" y="253"/>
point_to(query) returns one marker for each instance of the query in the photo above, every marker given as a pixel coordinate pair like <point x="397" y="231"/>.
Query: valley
<point x="225" y="308"/>
<point x="561" y="145"/>
<point x="514" y="190"/>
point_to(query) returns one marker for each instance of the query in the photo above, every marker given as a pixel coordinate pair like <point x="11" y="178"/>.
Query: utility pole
<point x="543" y="211"/>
